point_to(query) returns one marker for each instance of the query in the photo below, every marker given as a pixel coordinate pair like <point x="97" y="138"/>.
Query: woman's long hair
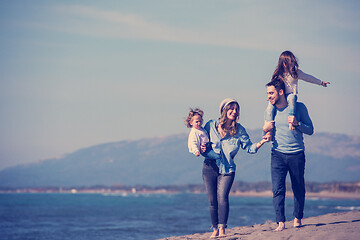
<point x="232" y="130"/>
<point x="287" y="64"/>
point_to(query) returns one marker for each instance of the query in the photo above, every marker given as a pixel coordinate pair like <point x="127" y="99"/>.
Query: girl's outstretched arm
<point x="308" y="78"/>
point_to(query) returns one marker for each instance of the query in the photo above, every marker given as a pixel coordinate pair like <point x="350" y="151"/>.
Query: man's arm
<point x="304" y="124"/>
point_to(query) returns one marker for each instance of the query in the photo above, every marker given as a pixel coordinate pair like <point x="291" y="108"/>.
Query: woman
<point x="226" y="136"/>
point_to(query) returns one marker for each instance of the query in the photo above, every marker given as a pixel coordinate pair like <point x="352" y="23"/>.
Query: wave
<point x="351" y="208"/>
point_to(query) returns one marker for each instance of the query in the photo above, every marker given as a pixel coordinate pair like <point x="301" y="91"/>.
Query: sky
<point x="74" y="74"/>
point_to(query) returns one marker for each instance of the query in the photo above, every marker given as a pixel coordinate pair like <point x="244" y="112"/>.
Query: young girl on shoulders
<point x="288" y="71"/>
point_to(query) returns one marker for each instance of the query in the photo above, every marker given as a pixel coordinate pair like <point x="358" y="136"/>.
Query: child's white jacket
<point x="196" y="138"/>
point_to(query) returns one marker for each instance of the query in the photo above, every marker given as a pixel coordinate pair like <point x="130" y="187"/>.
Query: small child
<point x="198" y="136"/>
<point x="288" y="71"/>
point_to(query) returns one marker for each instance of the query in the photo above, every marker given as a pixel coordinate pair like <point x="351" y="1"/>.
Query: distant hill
<point x="166" y="161"/>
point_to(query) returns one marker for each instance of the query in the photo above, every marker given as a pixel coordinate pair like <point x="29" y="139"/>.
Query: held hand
<point x="292" y="120"/>
<point x="203" y="148"/>
<point x="267" y="137"/>
<point x="197" y="154"/>
<point x="324" y="84"/>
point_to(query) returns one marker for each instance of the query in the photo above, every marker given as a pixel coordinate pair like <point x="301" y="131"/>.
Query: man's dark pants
<point x="281" y="164"/>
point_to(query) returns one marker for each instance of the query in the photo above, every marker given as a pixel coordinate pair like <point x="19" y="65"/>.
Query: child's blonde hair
<point x="192" y="113"/>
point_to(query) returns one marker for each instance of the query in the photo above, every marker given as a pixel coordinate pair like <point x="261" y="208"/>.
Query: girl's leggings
<point x="270" y="110"/>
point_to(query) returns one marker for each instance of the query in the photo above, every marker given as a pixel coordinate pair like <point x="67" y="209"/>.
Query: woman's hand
<point x="266" y="138"/>
<point x="203" y="148"/>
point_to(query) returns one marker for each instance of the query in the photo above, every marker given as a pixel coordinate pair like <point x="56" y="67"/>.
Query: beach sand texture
<point x="333" y="226"/>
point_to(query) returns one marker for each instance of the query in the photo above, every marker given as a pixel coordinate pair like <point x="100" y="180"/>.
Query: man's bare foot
<point x="268" y="126"/>
<point x="215" y="233"/>
<point x="222" y="232"/>
<point x="297" y="222"/>
<point x="280" y="227"/>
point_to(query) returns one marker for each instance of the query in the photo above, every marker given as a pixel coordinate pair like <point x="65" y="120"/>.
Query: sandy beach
<point x="333" y="226"/>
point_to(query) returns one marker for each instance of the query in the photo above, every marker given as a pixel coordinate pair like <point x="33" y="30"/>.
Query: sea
<point x="53" y="216"/>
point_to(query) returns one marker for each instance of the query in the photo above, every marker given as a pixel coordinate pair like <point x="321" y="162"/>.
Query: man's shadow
<point x="306" y="225"/>
<point x="323" y="224"/>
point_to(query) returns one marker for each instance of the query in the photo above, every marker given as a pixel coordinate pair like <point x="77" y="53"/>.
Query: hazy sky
<point x="79" y="73"/>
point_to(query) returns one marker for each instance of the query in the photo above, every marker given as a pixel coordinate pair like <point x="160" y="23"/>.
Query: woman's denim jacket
<point x="228" y="146"/>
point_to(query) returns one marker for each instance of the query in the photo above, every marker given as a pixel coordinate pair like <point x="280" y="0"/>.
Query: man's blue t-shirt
<point x="291" y="141"/>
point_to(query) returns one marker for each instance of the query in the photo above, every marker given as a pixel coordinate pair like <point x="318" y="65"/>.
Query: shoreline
<point x="342" y="225"/>
<point x="322" y="194"/>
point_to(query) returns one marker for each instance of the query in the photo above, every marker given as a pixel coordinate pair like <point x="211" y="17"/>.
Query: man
<point x="287" y="154"/>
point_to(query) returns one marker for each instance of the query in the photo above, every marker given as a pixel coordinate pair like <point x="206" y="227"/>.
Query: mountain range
<point x="166" y="161"/>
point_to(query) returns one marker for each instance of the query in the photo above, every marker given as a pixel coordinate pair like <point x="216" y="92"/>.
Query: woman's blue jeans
<point x="281" y="164"/>
<point x="218" y="188"/>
